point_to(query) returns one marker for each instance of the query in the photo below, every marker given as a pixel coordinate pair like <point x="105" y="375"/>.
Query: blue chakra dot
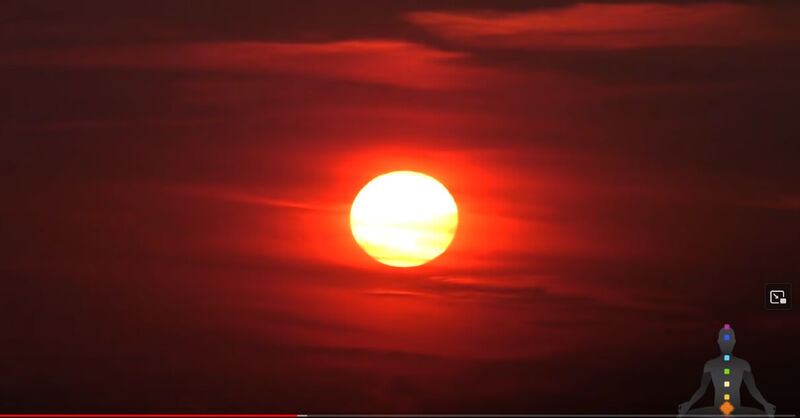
<point x="727" y="357"/>
<point x="727" y="337"/>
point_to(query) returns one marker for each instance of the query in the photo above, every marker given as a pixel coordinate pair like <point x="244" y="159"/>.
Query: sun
<point x="404" y="218"/>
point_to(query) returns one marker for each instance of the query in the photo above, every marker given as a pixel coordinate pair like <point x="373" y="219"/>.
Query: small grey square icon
<point x="778" y="296"/>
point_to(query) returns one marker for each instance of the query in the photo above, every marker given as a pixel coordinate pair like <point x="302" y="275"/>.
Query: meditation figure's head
<point x="726" y="339"/>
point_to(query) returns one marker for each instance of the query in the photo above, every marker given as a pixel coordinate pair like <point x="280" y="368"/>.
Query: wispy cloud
<point x="784" y="202"/>
<point x="221" y="193"/>
<point x="390" y="62"/>
<point x="604" y="26"/>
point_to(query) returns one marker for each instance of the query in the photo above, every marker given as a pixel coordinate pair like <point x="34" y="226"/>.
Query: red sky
<point x="177" y="180"/>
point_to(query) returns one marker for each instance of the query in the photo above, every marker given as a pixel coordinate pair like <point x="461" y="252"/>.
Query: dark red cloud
<point x="373" y="61"/>
<point x="610" y="26"/>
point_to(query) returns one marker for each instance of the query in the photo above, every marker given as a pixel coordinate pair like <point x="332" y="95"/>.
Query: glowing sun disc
<point x="404" y="218"/>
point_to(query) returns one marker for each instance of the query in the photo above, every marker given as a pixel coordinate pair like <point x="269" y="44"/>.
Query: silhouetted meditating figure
<point x="727" y="373"/>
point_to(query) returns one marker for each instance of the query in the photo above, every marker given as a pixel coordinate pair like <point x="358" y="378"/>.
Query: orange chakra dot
<point x="726" y="408"/>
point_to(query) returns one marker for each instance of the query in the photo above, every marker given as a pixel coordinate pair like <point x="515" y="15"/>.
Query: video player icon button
<point x="778" y="296"/>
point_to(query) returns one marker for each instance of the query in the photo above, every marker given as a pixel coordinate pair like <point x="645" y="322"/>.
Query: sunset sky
<point x="177" y="180"/>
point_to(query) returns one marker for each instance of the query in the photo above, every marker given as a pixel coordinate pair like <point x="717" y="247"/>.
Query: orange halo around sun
<point x="404" y="218"/>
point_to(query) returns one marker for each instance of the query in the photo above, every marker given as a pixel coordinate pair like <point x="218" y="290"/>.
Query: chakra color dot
<point x="726" y="408"/>
<point x="727" y="337"/>
<point x="727" y="326"/>
<point x="727" y="357"/>
<point x="727" y="371"/>
<point x="726" y="383"/>
<point x="727" y="397"/>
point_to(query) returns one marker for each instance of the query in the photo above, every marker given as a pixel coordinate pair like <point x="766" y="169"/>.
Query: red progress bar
<point x="149" y="415"/>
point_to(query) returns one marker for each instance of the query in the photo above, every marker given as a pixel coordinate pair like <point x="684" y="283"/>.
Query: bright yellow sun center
<point x="404" y="218"/>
